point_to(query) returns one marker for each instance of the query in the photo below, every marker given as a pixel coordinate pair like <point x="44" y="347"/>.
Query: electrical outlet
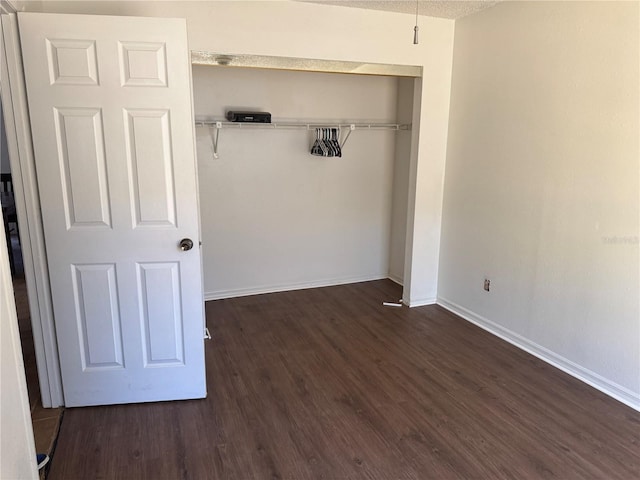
<point x="487" y="284"/>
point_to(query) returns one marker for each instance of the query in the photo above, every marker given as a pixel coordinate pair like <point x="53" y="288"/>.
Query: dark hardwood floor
<point x="328" y="383"/>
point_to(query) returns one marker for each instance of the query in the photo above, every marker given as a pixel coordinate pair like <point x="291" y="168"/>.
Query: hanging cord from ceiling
<point x="415" y="29"/>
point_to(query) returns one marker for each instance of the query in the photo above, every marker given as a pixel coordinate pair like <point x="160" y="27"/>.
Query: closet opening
<point x="273" y="216"/>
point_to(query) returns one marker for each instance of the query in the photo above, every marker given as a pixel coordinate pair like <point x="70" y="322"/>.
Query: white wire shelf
<point x="304" y="125"/>
<point x="217" y="125"/>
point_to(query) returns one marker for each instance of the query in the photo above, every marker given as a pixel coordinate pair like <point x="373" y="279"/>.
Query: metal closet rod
<point x="350" y="127"/>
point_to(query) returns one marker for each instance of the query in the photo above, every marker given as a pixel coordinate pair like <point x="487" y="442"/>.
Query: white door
<point x="113" y="133"/>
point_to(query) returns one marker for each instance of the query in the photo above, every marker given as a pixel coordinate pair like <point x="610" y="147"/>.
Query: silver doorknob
<point x="186" y="244"/>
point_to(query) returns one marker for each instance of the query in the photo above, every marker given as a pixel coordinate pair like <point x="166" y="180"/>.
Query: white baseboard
<point x="421" y="302"/>
<point x="245" y="292"/>
<point x="395" y="279"/>
<point x="620" y="393"/>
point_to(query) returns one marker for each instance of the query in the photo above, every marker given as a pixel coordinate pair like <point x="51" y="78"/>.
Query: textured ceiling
<point x="431" y="8"/>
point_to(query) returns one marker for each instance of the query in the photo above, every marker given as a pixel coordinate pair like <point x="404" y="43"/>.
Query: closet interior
<point x="276" y="217"/>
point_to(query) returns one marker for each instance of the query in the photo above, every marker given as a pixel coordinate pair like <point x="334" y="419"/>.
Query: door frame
<point x="21" y="158"/>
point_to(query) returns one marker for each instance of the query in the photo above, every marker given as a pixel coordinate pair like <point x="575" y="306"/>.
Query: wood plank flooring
<point x="329" y="384"/>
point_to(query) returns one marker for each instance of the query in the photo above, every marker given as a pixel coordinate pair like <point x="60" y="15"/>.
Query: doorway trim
<point x="18" y="131"/>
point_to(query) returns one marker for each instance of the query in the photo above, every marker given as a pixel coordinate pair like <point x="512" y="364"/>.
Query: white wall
<point x="294" y="29"/>
<point x="275" y="217"/>
<point x="542" y="184"/>
<point x="17" y="449"/>
<point x="401" y="173"/>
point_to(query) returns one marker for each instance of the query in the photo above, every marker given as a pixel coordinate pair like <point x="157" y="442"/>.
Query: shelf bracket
<point x="214" y="140"/>
<point x="352" y="127"/>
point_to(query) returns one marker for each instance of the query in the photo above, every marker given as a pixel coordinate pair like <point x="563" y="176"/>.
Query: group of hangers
<point x="327" y="143"/>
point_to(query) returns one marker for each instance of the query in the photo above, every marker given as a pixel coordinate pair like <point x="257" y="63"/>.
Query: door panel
<point x="72" y="62"/>
<point x="143" y="64"/>
<point x="110" y="107"/>
<point x="151" y="167"/>
<point x="80" y="145"/>
<point x="162" y="321"/>
<point x="98" y="316"/>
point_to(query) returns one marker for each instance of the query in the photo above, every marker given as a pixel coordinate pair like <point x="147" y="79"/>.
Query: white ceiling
<point x="431" y="8"/>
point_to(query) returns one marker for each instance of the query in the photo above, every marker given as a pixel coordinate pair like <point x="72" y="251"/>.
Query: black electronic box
<point x="249" y="117"/>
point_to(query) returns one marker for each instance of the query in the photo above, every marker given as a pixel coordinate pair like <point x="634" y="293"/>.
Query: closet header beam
<point x="303" y="64"/>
